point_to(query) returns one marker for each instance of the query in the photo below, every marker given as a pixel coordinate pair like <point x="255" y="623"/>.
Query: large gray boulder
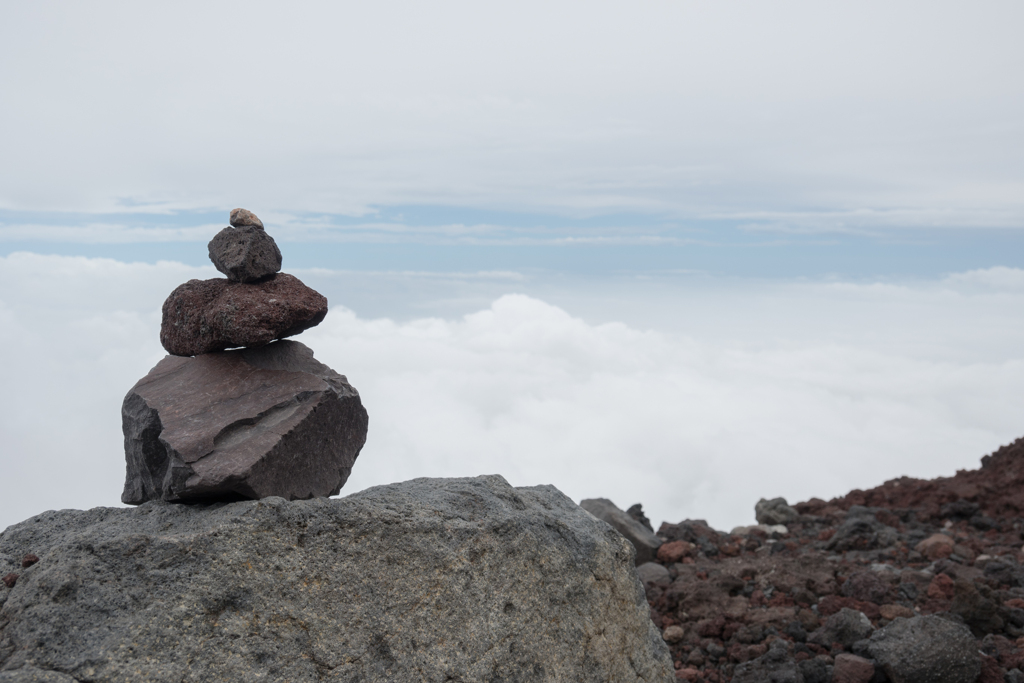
<point x="926" y="649"/>
<point x="643" y="539"/>
<point x="427" y="580"/>
<point x="249" y="423"/>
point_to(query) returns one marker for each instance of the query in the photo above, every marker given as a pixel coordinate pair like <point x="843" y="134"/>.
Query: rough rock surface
<point x="927" y="648"/>
<point x="245" y="254"/>
<point x="853" y="669"/>
<point x="241" y="218"/>
<point x="645" y="542"/>
<point x="845" y="627"/>
<point x="427" y="580"/>
<point x="731" y="596"/>
<point x="993" y="491"/>
<point x="248" y="423"/>
<point x="774" y="511"/>
<point x="652" y="572"/>
<point x="201" y="316"/>
<point x="775" y="666"/>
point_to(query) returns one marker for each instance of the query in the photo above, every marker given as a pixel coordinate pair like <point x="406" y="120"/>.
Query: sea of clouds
<point x="695" y="396"/>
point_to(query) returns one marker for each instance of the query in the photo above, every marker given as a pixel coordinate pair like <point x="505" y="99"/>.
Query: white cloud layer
<point x="751" y="390"/>
<point x="805" y="115"/>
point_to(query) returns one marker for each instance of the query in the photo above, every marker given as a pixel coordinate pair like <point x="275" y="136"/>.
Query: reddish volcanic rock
<point x="942" y="587"/>
<point x="674" y="551"/>
<point x="900" y="564"/>
<point x="936" y="546"/>
<point x="853" y="669"/>
<point x="201" y="316"/>
<point x="996" y="490"/>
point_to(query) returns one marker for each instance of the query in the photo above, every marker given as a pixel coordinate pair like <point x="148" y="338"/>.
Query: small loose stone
<point x="29" y="560"/>
<point x="10" y="580"/>
<point x="241" y="218"/>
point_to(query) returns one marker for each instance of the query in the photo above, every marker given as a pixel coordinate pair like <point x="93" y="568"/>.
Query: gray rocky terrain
<point x="428" y="580"/>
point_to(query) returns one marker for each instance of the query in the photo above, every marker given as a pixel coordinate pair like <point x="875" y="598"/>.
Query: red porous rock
<point x="850" y="668"/>
<point x="201" y="316"/>
<point x="674" y="551"/>
<point x="936" y="546"/>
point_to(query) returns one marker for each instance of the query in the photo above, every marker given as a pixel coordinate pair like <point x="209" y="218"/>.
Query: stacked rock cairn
<point x="261" y="419"/>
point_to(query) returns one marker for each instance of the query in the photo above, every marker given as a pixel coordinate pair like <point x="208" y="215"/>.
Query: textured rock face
<point x="245" y="254"/>
<point x="853" y="669"/>
<point x="774" y="666"/>
<point x="927" y="648"/>
<point x="201" y="316"/>
<point x="845" y="627"/>
<point x="645" y="542"/>
<point x="428" y="580"/>
<point x="774" y="511"/>
<point x="249" y="423"/>
<point x="241" y="218"/>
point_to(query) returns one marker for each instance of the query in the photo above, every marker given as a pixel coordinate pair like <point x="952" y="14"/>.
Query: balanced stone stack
<point x="262" y="419"/>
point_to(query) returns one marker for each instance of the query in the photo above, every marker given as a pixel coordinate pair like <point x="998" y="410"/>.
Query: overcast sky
<point x="680" y="253"/>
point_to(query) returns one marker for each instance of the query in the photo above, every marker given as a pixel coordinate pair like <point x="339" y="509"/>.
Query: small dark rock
<point x="866" y="585"/>
<point x="795" y="630"/>
<point x="29" y="560"/>
<point x="851" y="668"/>
<point x="815" y="671"/>
<point x="10" y="580"/>
<point x="960" y="509"/>
<point x="1004" y="572"/>
<point x="861" y="531"/>
<point x="775" y="665"/>
<point x="983" y="523"/>
<point x="637" y="513"/>
<point x="908" y="591"/>
<point x="979" y="613"/>
<point x="845" y="627"/>
<point x="749" y="634"/>
<point x="645" y="542"/>
<point x="245" y="254"/>
<point x="774" y="511"/>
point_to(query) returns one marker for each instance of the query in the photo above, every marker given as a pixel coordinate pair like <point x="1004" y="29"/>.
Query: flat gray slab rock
<point x="249" y="423"/>
<point x="245" y="254"/>
<point x="201" y="316"/>
<point x="466" y="580"/>
<point x="643" y="539"/>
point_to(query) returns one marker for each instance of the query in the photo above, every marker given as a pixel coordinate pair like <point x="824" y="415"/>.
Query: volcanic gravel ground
<point x="763" y="595"/>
